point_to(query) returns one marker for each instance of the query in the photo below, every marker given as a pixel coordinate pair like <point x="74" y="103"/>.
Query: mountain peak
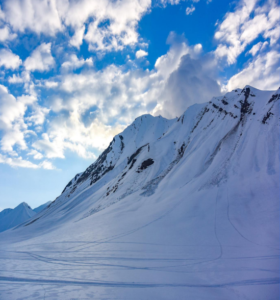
<point x="23" y="204"/>
<point x="232" y="108"/>
<point x="16" y="216"/>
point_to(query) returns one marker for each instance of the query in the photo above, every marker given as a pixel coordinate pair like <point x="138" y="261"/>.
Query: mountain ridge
<point x="13" y="217"/>
<point x="10" y="218"/>
<point x="146" y="129"/>
<point x="175" y="206"/>
<point x="243" y="111"/>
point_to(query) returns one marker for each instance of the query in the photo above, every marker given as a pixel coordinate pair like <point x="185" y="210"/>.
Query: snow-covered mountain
<point x="173" y="209"/>
<point x="12" y="217"/>
<point x="41" y="207"/>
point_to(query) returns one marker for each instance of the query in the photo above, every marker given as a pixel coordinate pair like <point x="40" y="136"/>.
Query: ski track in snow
<point x="266" y="281"/>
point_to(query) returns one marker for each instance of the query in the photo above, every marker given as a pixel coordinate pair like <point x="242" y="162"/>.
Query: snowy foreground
<point x="173" y="209"/>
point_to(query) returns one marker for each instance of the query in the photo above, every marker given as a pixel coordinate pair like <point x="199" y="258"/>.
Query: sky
<point x="74" y="73"/>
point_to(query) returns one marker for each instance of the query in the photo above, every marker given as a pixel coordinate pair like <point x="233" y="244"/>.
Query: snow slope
<point x="11" y="217"/>
<point x="41" y="207"/>
<point x="172" y="209"/>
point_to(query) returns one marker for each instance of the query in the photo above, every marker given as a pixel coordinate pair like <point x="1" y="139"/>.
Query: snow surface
<point x="200" y="222"/>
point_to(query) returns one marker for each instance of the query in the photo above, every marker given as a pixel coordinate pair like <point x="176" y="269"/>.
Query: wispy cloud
<point x="244" y="25"/>
<point x="190" y="10"/>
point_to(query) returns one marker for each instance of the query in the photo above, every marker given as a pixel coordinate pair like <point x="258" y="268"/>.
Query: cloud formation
<point x="194" y="81"/>
<point x="9" y="60"/>
<point x="41" y="59"/>
<point x="141" y="53"/>
<point x="6" y="35"/>
<point x="90" y="107"/>
<point x="57" y="97"/>
<point x="51" y="17"/>
<point x="190" y="10"/>
<point x="244" y="25"/>
<point x="263" y="73"/>
<point x="11" y="121"/>
<point x="22" y="163"/>
<point x="74" y="63"/>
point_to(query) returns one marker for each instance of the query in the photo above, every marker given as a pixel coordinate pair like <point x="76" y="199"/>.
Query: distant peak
<point x="249" y="87"/>
<point x="144" y="116"/>
<point x="252" y="88"/>
<point x="24" y="204"/>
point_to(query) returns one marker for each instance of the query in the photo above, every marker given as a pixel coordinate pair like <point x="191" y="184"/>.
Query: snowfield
<point x="173" y="209"/>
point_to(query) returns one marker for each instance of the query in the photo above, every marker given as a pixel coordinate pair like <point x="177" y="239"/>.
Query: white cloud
<point x="13" y="127"/>
<point x="72" y="134"/>
<point x="255" y="49"/>
<point x="24" y="78"/>
<point x="119" y="20"/>
<point x="6" y="35"/>
<point x="77" y="38"/>
<point x="50" y="84"/>
<point x="22" y="163"/>
<point x="75" y="63"/>
<point x="193" y="81"/>
<point x="36" y="155"/>
<point x="83" y="110"/>
<point x="263" y="73"/>
<point x="9" y="60"/>
<point x="141" y="53"/>
<point x="50" y="148"/>
<point x="15" y="79"/>
<point x="244" y="25"/>
<point x="11" y="120"/>
<point x="112" y="26"/>
<point x="37" y="116"/>
<point x="169" y="62"/>
<point x="190" y="10"/>
<point x="12" y="137"/>
<point x="39" y="16"/>
<point x="198" y="48"/>
<point x="46" y="165"/>
<point x="173" y="2"/>
<point x="2" y="15"/>
<point x="17" y="162"/>
<point x="41" y="59"/>
<point x="90" y="107"/>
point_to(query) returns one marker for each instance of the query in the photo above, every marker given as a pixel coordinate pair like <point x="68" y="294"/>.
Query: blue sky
<point x="75" y="73"/>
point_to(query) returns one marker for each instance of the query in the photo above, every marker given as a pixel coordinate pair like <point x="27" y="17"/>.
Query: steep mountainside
<point x="188" y="206"/>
